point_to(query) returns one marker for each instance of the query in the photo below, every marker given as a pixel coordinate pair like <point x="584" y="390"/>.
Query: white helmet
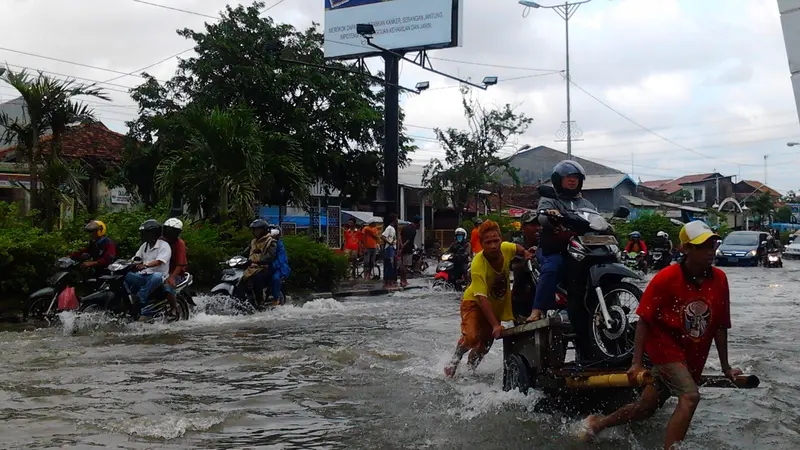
<point x="461" y="231"/>
<point x="274" y="230"/>
<point x="174" y="223"/>
<point x="662" y="234"/>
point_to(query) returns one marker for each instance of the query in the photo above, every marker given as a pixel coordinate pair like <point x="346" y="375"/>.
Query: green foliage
<point x="313" y="124"/>
<point x="783" y="214"/>
<point x="471" y="157"/>
<point x="680" y="196"/>
<point x="761" y="206"/>
<point x="649" y="224"/>
<point x="27" y="253"/>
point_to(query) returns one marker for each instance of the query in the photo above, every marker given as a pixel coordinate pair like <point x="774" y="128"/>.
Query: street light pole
<point x="565" y="11"/>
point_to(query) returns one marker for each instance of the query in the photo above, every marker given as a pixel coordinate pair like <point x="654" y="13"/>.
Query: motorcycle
<point x="635" y="261"/>
<point x="773" y="259"/>
<point x="418" y="262"/>
<point x="112" y="297"/>
<point x="660" y="258"/>
<point x="445" y="274"/>
<point x="594" y="256"/>
<point x="234" y="286"/>
<point x="43" y="304"/>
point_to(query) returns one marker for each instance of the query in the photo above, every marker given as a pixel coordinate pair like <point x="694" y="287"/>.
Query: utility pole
<point x="565" y="11"/>
<point x="392" y="130"/>
<point x="765" y="169"/>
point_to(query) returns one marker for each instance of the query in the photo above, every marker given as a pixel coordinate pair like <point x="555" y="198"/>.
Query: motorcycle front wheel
<point x="37" y="309"/>
<point x="622" y="300"/>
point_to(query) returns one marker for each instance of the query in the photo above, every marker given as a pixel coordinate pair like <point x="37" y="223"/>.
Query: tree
<point x="333" y="119"/>
<point x="471" y="157"/>
<point x="762" y="206"/>
<point x="783" y="214"/>
<point x="680" y="196"/>
<point x="49" y="106"/>
<point x="227" y="161"/>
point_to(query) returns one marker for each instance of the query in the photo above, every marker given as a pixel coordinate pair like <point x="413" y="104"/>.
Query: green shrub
<point x="28" y="254"/>
<point x="313" y="264"/>
<point x="649" y="224"/>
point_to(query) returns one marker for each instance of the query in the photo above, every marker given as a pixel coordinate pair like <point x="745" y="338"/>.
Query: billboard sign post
<point x="400" y="25"/>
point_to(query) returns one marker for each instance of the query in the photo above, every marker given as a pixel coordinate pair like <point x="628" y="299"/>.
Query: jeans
<point x="142" y="284"/>
<point x="277" y="284"/>
<point x="548" y="280"/>
<point x="389" y="265"/>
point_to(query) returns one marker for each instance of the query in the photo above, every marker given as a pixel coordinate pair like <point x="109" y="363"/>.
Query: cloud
<point x="711" y="76"/>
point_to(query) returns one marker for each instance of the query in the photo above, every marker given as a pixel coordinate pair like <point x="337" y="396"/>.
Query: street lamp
<point x="565" y="11"/>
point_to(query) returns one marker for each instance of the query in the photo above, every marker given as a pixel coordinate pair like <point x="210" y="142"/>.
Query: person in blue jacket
<point x="280" y="267"/>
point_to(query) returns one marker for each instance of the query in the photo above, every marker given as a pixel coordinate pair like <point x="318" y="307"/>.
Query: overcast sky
<point x="710" y="76"/>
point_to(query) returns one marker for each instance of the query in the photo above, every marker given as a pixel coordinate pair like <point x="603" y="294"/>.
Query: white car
<point x="792" y="251"/>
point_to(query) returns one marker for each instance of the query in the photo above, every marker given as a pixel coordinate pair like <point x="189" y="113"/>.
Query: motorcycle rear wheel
<point x="618" y="341"/>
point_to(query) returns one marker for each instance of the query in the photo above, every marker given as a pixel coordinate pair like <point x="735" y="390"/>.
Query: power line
<point x="176" y="9"/>
<point x="276" y="4"/>
<point x="664" y="138"/>
<point x="149" y="66"/>
<point x="71" y="76"/>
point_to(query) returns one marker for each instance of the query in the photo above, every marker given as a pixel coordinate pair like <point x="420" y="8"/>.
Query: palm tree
<point x="48" y="106"/>
<point x="221" y="162"/>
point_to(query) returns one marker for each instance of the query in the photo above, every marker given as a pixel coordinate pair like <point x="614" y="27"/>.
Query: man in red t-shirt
<point x="352" y="244"/>
<point x="684" y="308"/>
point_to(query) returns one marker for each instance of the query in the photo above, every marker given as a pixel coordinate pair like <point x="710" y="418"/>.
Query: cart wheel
<point x="516" y="374"/>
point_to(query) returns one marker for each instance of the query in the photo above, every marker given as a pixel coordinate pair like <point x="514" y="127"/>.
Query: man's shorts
<point x="370" y="257"/>
<point x="476" y="331"/>
<point x="673" y="379"/>
<point x="408" y="260"/>
<point x="351" y="254"/>
<point x="170" y="289"/>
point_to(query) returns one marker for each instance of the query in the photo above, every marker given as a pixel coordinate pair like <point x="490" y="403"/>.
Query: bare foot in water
<point x="450" y="371"/>
<point x="589" y="428"/>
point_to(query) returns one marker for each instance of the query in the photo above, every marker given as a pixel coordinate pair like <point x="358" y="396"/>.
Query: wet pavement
<point x="363" y="373"/>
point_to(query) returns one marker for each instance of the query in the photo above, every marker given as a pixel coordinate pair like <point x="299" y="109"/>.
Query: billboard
<point x="400" y="25"/>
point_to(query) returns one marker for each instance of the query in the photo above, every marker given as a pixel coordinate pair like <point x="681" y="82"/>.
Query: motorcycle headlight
<point x="236" y="260"/>
<point x="116" y="267"/>
<point x="447" y="257"/>
<point x="773" y="258"/>
<point x="751" y="253"/>
<point x="719" y="252"/>
<point x="615" y="251"/>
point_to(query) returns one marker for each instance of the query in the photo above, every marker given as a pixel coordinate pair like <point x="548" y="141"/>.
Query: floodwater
<point x="361" y="374"/>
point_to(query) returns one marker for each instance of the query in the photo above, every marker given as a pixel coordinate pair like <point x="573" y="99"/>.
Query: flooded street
<point x="363" y="373"/>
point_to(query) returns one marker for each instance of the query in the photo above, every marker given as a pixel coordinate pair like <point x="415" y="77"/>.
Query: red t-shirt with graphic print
<point x="684" y="317"/>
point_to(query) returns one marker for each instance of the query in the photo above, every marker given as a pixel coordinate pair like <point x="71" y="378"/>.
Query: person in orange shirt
<point x="475" y="238"/>
<point x="352" y="243"/>
<point x="369" y="235"/>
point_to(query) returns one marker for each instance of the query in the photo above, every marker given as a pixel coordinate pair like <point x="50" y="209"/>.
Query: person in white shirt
<point x="389" y="238"/>
<point x="154" y="268"/>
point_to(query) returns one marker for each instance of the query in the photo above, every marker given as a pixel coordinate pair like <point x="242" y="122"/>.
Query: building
<point x="535" y="165"/>
<point x="93" y="145"/>
<point x="701" y="190"/>
<point x="745" y="190"/>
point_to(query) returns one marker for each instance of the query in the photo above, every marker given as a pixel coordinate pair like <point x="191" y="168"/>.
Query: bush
<point x="649" y="225"/>
<point x="28" y="254"/>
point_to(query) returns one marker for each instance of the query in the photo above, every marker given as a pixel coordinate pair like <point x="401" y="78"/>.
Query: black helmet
<point x="566" y="168"/>
<point x="150" y="225"/>
<point x="529" y="217"/>
<point x="259" y="223"/>
<point x="478" y="221"/>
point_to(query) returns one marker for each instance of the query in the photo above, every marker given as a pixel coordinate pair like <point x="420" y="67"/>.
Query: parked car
<point x="741" y="248"/>
<point x="792" y="251"/>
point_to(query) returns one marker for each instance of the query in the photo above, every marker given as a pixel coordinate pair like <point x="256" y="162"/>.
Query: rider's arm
<point x="180" y="260"/>
<point x="644" y="247"/>
<point x="109" y="254"/>
<point x="642" y="330"/>
<point x="78" y="253"/>
<point x="270" y="254"/>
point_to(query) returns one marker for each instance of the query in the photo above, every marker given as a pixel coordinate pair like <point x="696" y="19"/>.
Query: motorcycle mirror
<point x="622" y="212"/>
<point x="546" y="191"/>
<point x="763" y="242"/>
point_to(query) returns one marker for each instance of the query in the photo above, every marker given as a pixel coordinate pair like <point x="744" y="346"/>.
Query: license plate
<point x="598" y="240"/>
<point x="733" y="259"/>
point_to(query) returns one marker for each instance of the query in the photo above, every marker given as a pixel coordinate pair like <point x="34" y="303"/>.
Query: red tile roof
<point x="759" y="186"/>
<point x="654" y="184"/>
<point x="672" y="186"/>
<point x="86" y="141"/>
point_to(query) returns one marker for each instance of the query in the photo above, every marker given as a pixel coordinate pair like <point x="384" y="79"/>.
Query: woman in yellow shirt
<point x="487" y="300"/>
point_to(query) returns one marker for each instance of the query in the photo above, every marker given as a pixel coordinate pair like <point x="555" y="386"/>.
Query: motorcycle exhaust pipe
<point x="613" y="380"/>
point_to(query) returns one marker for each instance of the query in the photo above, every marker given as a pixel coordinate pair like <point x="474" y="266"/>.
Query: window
<point x="698" y="195"/>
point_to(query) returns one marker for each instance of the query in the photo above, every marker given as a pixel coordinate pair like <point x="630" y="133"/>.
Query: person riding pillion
<point x="461" y="250"/>
<point x="567" y="178"/>
<point x="171" y="233"/>
<point x="261" y="252"/>
<point x="280" y="266"/>
<point x="101" y="249"/>
<point x="151" y="273"/>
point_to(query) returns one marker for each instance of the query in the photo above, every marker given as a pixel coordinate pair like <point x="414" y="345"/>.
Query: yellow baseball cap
<point x="696" y="233"/>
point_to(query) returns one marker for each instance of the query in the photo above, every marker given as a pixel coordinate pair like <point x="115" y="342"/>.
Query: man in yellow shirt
<point x="487" y="300"/>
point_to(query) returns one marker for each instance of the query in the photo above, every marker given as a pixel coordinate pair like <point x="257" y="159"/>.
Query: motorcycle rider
<point x="635" y="245"/>
<point x="461" y="251"/>
<point x="154" y="268"/>
<point x="280" y="266"/>
<point x="523" y="289"/>
<point x="662" y="242"/>
<point x="171" y="232"/>
<point x="101" y="249"/>
<point x="261" y="252"/>
<point x="567" y="178"/>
